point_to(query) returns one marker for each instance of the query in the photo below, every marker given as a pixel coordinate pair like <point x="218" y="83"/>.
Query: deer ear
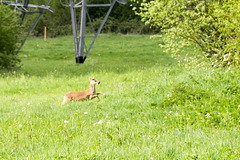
<point x="93" y="77"/>
<point x="90" y="78"/>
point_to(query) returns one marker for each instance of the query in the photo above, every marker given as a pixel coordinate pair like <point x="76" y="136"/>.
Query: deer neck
<point x="92" y="88"/>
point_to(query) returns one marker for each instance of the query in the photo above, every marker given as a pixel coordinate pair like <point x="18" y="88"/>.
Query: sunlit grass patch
<point x="156" y="107"/>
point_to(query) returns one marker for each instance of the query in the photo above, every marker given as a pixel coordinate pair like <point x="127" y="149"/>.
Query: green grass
<point x="156" y="107"/>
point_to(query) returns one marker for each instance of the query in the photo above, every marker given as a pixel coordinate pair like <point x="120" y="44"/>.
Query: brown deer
<point x="83" y="95"/>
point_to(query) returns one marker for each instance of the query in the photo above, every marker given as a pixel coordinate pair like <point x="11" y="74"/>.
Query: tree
<point x="211" y="25"/>
<point x="10" y="33"/>
<point x="122" y="19"/>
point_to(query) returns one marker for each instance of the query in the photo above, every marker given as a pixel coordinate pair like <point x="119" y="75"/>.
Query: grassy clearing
<point x="156" y="107"/>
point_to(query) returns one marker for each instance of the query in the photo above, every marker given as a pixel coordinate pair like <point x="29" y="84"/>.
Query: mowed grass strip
<point x="156" y="107"/>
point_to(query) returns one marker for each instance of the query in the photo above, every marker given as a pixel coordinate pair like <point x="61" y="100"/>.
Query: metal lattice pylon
<point x="81" y="50"/>
<point x="24" y="7"/>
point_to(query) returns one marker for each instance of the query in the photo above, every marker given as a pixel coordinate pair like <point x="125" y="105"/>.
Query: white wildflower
<point x="20" y="126"/>
<point x="224" y="58"/>
<point x="207" y="115"/>
<point x="85" y="113"/>
<point x="100" y="122"/>
<point x="66" y="121"/>
<point x="23" y="109"/>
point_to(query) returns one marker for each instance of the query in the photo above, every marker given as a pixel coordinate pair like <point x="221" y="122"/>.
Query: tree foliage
<point x="121" y="20"/>
<point x="213" y="26"/>
<point x="10" y="33"/>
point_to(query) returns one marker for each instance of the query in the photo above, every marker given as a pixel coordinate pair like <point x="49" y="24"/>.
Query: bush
<point x="212" y="26"/>
<point x="10" y="33"/>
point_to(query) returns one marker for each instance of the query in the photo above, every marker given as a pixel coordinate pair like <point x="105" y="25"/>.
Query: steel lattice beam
<point x="29" y="6"/>
<point x="26" y="8"/>
<point x="81" y="51"/>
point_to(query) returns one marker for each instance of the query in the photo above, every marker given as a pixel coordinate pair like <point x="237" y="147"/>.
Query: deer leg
<point x="101" y="93"/>
<point x="93" y="96"/>
<point x="65" y="100"/>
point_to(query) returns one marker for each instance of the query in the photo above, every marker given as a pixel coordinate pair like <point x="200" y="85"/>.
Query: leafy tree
<point x="122" y="19"/>
<point x="211" y="25"/>
<point x="10" y="33"/>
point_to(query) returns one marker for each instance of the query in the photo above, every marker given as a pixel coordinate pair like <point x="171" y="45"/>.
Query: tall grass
<point x="156" y="107"/>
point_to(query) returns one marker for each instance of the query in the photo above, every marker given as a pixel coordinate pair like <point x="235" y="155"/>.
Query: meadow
<point x="156" y="106"/>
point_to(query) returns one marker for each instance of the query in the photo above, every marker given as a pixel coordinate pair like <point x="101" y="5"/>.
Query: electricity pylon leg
<point x="74" y="28"/>
<point x="82" y="31"/>
<point x="81" y="51"/>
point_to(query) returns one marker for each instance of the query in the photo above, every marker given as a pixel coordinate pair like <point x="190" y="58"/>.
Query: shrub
<point x="10" y="33"/>
<point x="212" y="26"/>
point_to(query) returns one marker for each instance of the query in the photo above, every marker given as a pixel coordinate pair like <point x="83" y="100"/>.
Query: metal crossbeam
<point x="26" y="8"/>
<point x="81" y="51"/>
<point x="94" y="5"/>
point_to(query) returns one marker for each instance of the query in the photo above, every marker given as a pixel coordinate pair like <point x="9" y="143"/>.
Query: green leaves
<point x="211" y="26"/>
<point x="10" y="33"/>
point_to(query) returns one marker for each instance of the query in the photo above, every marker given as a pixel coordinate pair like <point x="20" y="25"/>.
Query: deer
<point x="83" y="95"/>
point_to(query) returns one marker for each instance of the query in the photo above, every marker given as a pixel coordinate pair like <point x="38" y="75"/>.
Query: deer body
<point x="83" y="95"/>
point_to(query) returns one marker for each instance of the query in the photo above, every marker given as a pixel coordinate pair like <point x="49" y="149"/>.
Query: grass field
<point x="156" y="107"/>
